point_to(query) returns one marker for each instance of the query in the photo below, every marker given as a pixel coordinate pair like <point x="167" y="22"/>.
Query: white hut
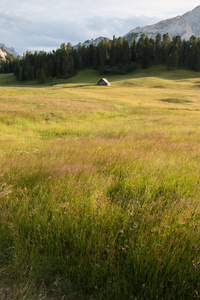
<point x="103" y="81"/>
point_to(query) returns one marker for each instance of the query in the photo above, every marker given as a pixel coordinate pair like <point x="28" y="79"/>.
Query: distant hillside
<point x="3" y="54"/>
<point x="89" y="42"/>
<point x="10" y="50"/>
<point x="185" y="26"/>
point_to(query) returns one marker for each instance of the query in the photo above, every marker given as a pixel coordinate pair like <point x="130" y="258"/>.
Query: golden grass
<point x="99" y="186"/>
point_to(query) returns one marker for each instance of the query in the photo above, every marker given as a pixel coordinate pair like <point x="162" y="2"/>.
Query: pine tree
<point x="146" y="53"/>
<point x="113" y="52"/>
<point x="172" y="60"/>
<point x="183" y="54"/>
<point x="41" y="76"/>
<point x="133" y="51"/>
<point x="191" y="61"/>
<point x="140" y="47"/>
<point x="158" y="49"/>
<point x="126" y="51"/>
<point x="119" y="50"/>
<point x="20" y="75"/>
<point x="165" y="47"/>
<point x="197" y="56"/>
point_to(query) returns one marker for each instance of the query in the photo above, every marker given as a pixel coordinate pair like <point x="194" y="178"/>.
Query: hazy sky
<point x="45" y="24"/>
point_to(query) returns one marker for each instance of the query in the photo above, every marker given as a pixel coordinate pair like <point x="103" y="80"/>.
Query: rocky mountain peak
<point x="10" y="50"/>
<point x="186" y="25"/>
<point x="3" y="54"/>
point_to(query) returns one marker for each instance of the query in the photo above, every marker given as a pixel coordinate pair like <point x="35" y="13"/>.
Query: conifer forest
<point x="115" y="56"/>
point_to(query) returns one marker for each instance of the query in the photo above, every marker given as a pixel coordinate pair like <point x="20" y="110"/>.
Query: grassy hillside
<point x="99" y="187"/>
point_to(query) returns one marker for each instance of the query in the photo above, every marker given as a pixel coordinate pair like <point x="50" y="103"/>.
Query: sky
<point x="29" y="25"/>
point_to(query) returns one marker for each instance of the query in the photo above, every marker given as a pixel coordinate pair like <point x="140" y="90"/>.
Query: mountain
<point x="185" y="26"/>
<point x="10" y="50"/>
<point x="89" y="42"/>
<point x="3" y="54"/>
<point x="94" y="42"/>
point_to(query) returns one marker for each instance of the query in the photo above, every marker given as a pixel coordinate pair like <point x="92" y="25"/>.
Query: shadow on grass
<point x="79" y="85"/>
<point x="176" y="100"/>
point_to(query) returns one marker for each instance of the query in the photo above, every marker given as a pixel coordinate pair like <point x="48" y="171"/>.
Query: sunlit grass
<point x="99" y="187"/>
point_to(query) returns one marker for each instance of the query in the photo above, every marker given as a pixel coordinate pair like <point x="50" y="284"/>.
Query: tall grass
<point x="99" y="187"/>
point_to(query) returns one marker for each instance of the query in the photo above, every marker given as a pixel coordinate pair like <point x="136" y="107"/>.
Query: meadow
<point x="100" y="187"/>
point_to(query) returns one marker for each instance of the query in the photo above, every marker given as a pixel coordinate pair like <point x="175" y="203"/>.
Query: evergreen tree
<point x="113" y="52"/>
<point x="69" y="48"/>
<point x="140" y="48"/>
<point x="95" y="58"/>
<point x="103" y="53"/>
<point x="158" y="49"/>
<point x="133" y="51"/>
<point x="125" y="51"/>
<point x="80" y="62"/>
<point x="197" y="56"/>
<point x="119" y="50"/>
<point x="20" y="75"/>
<point x="165" y="47"/>
<point x="64" y="62"/>
<point x="41" y="76"/>
<point x="191" y="62"/>
<point x="172" y="60"/>
<point x="146" y="53"/>
<point x="183" y="54"/>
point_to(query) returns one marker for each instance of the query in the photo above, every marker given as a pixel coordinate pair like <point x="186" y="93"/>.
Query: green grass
<point x="99" y="187"/>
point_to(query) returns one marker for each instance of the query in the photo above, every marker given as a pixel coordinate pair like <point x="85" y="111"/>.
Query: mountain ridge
<point x="10" y="50"/>
<point x="186" y="25"/>
<point x="3" y="54"/>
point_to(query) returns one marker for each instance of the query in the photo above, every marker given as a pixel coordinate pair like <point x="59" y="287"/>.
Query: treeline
<point x="115" y="56"/>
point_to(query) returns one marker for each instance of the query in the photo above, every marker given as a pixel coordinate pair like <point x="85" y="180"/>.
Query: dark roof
<point x="103" y="81"/>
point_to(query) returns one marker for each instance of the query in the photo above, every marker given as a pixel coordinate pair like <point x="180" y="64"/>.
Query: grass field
<point x="100" y="187"/>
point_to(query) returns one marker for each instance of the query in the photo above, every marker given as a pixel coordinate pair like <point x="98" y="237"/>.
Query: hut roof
<point x="103" y="81"/>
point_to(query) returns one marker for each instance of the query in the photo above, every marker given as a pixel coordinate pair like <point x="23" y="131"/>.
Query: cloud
<point x="45" y="24"/>
<point x="34" y="34"/>
<point x="116" y="26"/>
<point x="25" y="34"/>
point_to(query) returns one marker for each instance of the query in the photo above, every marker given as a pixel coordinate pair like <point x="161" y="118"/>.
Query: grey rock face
<point x="185" y="26"/>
